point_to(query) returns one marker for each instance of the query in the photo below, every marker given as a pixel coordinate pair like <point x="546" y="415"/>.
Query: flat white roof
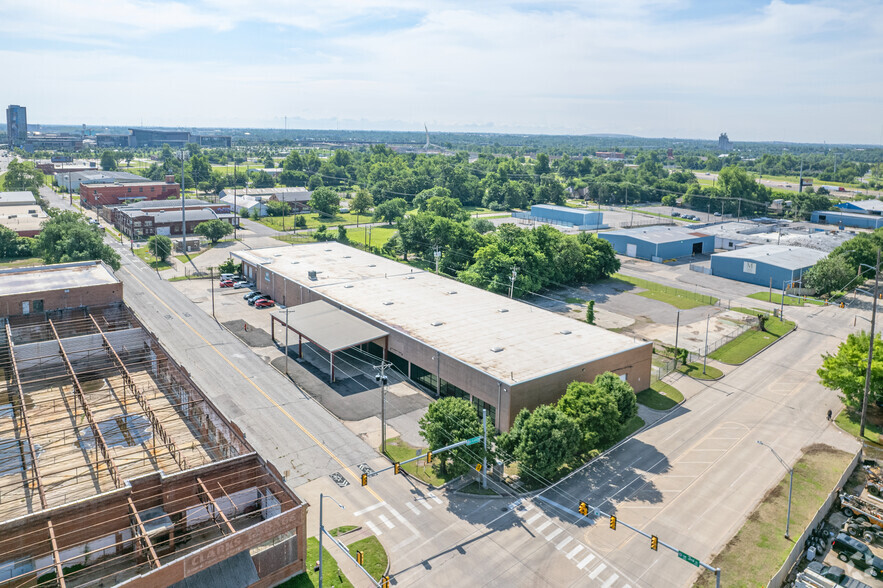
<point x="510" y="340"/>
<point x="658" y="234"/>
<point x="45" y="278"/>
<point x="16" y="198"/>
<point x="792" y="258"/>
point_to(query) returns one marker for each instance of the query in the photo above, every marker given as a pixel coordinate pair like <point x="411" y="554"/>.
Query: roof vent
<point x="451" y="292"/>
<point x="312" y="274"/>
<point x="387" y="303"/>
<point x="565" y="332"/>
<point x="372" y="265"/>
<point x="328" y="250"/>
<point x="348" y="286"/>
<point x="496" y="349"/>
<point x="503" y="310"/>
<point x="293" y="262"/>
<point x="347" y="256"/>
<point x="409" y="277"/>
<point x="437" y="323"/>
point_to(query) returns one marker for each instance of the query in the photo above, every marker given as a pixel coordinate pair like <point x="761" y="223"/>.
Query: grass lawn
<point x="759" y="548"/>
<point x="10" y="262"/>
<point x="342" y="530"/>
<point x="789" y="300"/>
<point x="694" y="370"/>
<point x="332" y="575"/>
<point x="751" y="311"/>
<point x="572" y="300"/>
<point x="475" y="488"/>
<point x="660" y="396"/>
<point x="851" y="423"/>
<point x="183" y="258"/>
<point x="314" y="219"/>
<point x="750" y="342"/>
<point x="148" y="258"/>
<point x="630" y="427"/>
<point x="375" y="560"/>
<point x="379" y="235"/>
<point x="399" y="450"/>
<point x="677" y="297"/>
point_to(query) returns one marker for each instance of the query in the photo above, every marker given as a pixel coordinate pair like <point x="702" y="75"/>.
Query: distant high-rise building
<point x="723" y="143"/>
<point x="17" y="124"/>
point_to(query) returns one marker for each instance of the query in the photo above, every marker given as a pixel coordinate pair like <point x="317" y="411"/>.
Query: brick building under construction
<point x="116" y="470"/>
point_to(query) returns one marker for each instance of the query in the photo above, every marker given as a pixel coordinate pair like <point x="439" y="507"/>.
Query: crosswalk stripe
<point x="426" y="504"/>
<point x="554" y="534"/>
<point x="597" y="571"/>
<point x="609" y="582"/>
<point x="533" y="518"/>
<point x="435" y="498"/>
<point x="369" y="509"/>
<point x="413" y="508"/>
<point x="386" y="521"/>
<point x="543" y="526"/>
<point x="586" y="561"/>
<point x="373" y="528"/>
<point x="563" y="543"/>
<point x="574" y="551"/>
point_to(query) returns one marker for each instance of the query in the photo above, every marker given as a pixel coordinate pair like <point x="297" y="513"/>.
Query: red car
<point x="226" y="283"/>
<point x="264" y="303"/>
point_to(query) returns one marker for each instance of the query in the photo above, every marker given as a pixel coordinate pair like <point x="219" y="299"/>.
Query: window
<point x="266" y="276"/>
<point x="37" y="305"/>
<point x="400" y="363"/>
<point x="137" y="223"/>
<point x="128" y="189"/>
<point x="423" y="377"/>
<point x="141" y="189"/>
<point x="448" y="389"/>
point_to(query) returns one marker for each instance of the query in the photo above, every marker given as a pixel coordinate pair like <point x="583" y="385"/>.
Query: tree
<point x="214" y="230"/>
<point x="262" y="179"/>
<point x="590" y="312"/>
<point x="362" y="202"/>
<point x="67" y="236"/>
<point x="447" y="421"/>
<point x="23" y="176"/>
<point x="160" y="247"/>
<point x="277" y="208"/>
<point x="622" y="391"/>
<point x="669" y="200"/>
<point x="542" y="441"/>
<point x="108" y="161"/>
<point x="325" y="200"/>
<point x="828" y="275"/>
<point x="482" y="225"/>
<point x="446" y="207"/>
<point x="391" y="210"/>
<point x="200" y="169"/>
<point x="596" y="412"/>
<point x="315" y="182"/>
<point x="845" y="371"/>
<point x="341" y="234"/>
<point x="13" y="246"/>
<point x="229" y="267"/>
<point x="542" y="165"/>
<point x="268" y="161"/>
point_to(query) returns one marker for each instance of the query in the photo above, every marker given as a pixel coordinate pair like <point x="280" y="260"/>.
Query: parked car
<point x="676" y="214"/>
<point x="857" y="553"/>
<point x="226" y="283"/>
<point x="252" y="301"/>
<point x="230" y="276"/>
<point x="718" y="214"/>
<point x="252" y="295"/>
<point x="816" y="572"/>
<point x="264" y="303"/>
<point x="841" y="189"/>
<point x="242" y="284"/>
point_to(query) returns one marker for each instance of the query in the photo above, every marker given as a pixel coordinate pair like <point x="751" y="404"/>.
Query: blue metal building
<point x="579" y="217"/>
<point x="846" y="219"/>
<point x="779" y="265"/>
<point x="659" y="243"/>
<point x="872" y="206"/>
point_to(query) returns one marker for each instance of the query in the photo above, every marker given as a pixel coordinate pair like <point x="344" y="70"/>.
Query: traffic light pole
<point x="472" y="441"/>
<point x="353" y="559"/>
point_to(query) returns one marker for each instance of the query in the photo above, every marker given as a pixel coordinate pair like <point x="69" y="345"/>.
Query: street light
<point x="790" y="485"/>
<point x="322" y="497"/>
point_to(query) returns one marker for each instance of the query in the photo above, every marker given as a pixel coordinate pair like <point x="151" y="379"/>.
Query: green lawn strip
<point x="750" y="311"/>
<point x="789" y="300"/>
<point x="573" y="300"/>
<point x="474" y="487"/>
<point x="759" y="548"/>
<point x="332" y="576"/>
<point x="10" y="262"/>
<point x="379" y="235"/>
<point x="660" y="396"/>
<point x="375" y="558"/>
<point x="398" y="450"/>
<point x="850" y="422"/>
<point x="654" y="287"/>
<point x="634" y="424"/>
<point x="314" y="219"/>
<point x="694" y="370"/>
<point x="341" y="530"/>
<point x="672" y="299"/>
<point x="750" y="342"/>
<point x="150" y="260"/>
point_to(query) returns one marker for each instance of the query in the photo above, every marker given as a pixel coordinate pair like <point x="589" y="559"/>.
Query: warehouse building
<point x="17" y="198"/>
<point x="873" y="207"/>
<point x="71" y="180"/>
<point x="114" y="193"/>
<point x="26" y="221"/>
<point x="452" y="339"/>
<point x="47" y="288"/>
<point x="847" y="219"/>
<point x="660" y="243"/>
<point x="778" y="266"/>
<point x="578" y="217"/>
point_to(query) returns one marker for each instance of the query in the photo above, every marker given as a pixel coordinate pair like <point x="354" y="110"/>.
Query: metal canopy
<point x="328" y="327"/>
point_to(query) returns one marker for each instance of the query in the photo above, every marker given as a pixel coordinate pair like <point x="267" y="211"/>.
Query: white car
<point x="242" y="284"/>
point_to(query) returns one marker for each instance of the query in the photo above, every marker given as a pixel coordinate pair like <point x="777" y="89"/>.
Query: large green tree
<point x="67" y="236"/>
<point x="12" y="246"/>
<point x="595" y="410"/>
<point x="362" y="202"/>
<point x="214" y="230"/>
<point x="108" y="161"/>
<point x="622" y="391"/>
<point x="23" y="176"/>
<point x="160" y="246"/>
<point x="845" y="370"/>
<point x="325" y="200"/>
<point x="542" y="441"/>
<point x="391" y="210"/>
<point x="829" y="275"/>
<point x="262" y="179"/>
<point x="449" y="420"/>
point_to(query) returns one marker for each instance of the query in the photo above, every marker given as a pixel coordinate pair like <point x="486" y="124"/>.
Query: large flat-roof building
<point x="112" y="193"/>
<point x="114" y="467"/>
<point x="847" y="219"/>
<point x="659" y="243"/>
<point x="579" y="217"/>
<point x="72" y="180"/>
<point x="25" y="220"/>
<point x="17" y="198"/>
<point x="451" y="338"/>
<point x="47" y="288"/>
<point x="778" y="266"/>
<point x="872" y="207"/>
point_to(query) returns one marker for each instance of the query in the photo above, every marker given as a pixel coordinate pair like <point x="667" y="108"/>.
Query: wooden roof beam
<point x="215" y="505"/>
<point x="154" y="559"/>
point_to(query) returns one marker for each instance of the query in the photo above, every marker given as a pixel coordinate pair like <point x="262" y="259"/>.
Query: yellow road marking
<point x="258" y="388"/>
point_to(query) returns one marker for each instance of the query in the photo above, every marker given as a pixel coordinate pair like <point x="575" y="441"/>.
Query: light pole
<point x="861" y="432"/>
<point x="790" y="485"/>
<point x="677" y="328"/>
<point x="705" y="357"/>
<point x="322" y="497"/>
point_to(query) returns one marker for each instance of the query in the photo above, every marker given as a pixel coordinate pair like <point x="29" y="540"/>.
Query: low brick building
<point x="138" y="224"/>
<point x="46" y="288"/>
<point x="114" y="193"/>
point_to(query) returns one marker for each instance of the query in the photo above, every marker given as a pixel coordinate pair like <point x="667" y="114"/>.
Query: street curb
<point x="760" y="351"/>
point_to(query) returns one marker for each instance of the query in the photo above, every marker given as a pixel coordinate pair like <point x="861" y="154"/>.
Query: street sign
<point x="473" y="441"/>
<point x="688" y="558"/>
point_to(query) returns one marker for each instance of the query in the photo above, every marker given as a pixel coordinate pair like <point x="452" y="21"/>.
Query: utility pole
<point x="790" y="486"/>
<point x="235" y="209"/>
<point x="871" y="345"/>
<point x="782" y="304"/>
<point x="212" y="278"/>
<point x="382" y="378"/>
<point x="322" y="498"/>
<point x="484" y="457"/>
<point x="705" y="357"/>
<point x="677" y="328"/>
<point x="437" y="254"/>
<point x="286" y="339"/>
<point x="183" y="208"/>
<point x="512" y="284"/>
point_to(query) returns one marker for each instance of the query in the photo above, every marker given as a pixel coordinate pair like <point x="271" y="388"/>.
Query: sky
<point x="760" y="70"/>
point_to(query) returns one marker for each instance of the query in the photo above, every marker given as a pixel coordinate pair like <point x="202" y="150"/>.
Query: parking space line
<point x="609" y="582"/>
<point x="597" y="571"/>
<point x="373" y="528"/>
<point x="574" y="551"/>
<point x="563" y="543"/>
<point x="554" y="534"/>
<point x="586" y="561"/>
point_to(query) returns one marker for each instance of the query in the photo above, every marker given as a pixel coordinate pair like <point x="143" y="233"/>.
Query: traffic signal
<point x="384" y="582"/>
<point x="478" y="467"/>
<point x="396" y="468"/>
<point x="654" y="542"/>
<point x="613" y="522"/>
<point x="583" y="508"/>
<point x="428" y="457"/>
<point x="364" y="479"/>
<point x="360" y="558"/>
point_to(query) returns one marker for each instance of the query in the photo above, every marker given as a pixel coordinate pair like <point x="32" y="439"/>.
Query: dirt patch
<point x="249" y="334"/>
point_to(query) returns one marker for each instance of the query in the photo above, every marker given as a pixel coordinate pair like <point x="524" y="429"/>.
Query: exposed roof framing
<point x="215" y="505"/>
<point x="143" y="533"/>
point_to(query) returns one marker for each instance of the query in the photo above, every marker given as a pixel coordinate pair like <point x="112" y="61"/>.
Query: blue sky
<point x="759" y="70"/>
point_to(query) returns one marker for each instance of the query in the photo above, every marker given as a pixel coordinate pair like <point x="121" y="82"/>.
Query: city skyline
<point x="762" y="71"/>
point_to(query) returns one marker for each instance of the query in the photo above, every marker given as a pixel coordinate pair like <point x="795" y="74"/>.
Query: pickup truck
<point x="819" y="575"/>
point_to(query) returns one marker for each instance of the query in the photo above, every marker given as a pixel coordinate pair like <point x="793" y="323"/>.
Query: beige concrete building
<point x="453" y="339"/>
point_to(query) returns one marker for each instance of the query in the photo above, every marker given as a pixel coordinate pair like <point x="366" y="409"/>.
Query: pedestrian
<point x="829" y="414"/>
